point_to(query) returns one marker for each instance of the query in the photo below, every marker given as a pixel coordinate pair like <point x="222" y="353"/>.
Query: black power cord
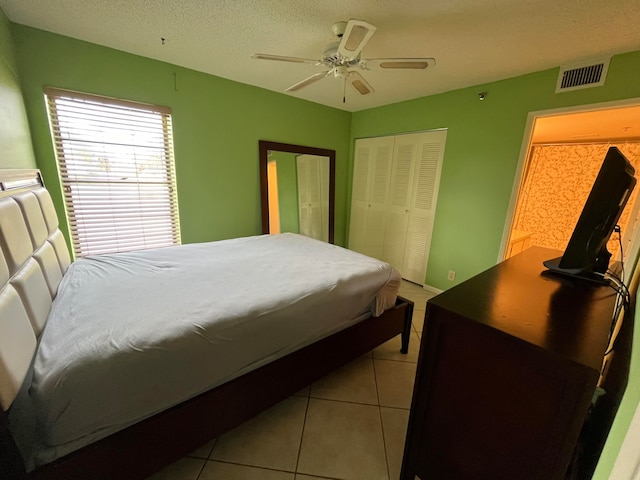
<point x="620" y="288"/>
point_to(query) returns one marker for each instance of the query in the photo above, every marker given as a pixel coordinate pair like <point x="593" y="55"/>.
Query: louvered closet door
<point x="424" y="194"/>
<point x="323" y="169"/>
<point x="303" y="196"/>
<point x="399" y="201"/>
<point x="310" y="196"/>
<point x="359" y="196"/>
<point x="371" y="175"/>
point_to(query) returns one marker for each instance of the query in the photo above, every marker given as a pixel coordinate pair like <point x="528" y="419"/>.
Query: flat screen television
<point x="586" y="255"/>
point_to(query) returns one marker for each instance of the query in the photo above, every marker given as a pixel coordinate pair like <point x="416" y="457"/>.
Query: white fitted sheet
<point x="132" y="334"/>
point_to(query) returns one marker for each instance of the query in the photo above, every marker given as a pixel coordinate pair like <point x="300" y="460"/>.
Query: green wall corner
<point x="15" y="138"/>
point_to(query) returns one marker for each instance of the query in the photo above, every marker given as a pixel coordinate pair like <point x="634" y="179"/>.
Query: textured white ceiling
<point x="473" y="41"/>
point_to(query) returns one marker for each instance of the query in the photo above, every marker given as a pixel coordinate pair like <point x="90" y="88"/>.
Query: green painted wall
<point x="15" y="139"/>
<point x="484" y="139"/>
<point x="217" y="124"/>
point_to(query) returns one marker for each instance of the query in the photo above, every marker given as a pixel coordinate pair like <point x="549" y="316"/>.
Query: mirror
<point x="297" y="189"/>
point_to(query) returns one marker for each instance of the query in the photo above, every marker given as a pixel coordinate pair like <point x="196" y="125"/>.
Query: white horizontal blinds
<point x="117" y="169"/>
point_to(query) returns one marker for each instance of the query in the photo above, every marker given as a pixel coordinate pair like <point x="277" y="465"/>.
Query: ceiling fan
<point x="342" y="58"/>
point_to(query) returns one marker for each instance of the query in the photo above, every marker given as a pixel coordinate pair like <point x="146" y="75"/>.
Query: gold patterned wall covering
<point x="557" y="183"/>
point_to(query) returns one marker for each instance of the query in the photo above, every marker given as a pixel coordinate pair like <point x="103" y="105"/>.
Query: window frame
<point x="116" y="166"/>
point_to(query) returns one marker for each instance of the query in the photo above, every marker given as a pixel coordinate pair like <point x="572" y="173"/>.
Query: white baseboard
<point x="431" y="289"/>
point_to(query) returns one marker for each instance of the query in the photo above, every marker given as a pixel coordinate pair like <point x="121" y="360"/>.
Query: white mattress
<point x="132" y="334"/>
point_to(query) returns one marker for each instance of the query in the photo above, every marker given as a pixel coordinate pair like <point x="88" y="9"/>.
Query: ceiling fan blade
<point x="399" y="63"/>
<point x="307" y="81"/>
<point x="356" y="35"/>
<point x="266" y="56"/>
<point x="358" y="82"/>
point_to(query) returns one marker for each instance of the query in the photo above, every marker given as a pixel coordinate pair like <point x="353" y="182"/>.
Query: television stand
<point x="554" y="268"/>
<point x="509" y="363"/>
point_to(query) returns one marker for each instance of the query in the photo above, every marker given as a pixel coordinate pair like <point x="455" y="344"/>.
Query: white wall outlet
<point x="452" y="276"/>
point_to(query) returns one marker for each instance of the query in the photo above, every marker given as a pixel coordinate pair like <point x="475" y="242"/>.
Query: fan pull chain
<point x="344" y="92"/>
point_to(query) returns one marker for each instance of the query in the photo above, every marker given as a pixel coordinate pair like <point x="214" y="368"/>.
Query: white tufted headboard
<point x="33" y="259"/>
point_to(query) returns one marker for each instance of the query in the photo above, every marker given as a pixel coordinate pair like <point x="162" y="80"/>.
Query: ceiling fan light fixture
<point x="341" y="71"/>
<point x="342" y="59"/>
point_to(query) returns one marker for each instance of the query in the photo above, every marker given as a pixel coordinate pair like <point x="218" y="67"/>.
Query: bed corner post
<point x="406" y="331"/>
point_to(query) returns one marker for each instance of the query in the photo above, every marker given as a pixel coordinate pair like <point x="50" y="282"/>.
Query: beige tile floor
<point x="349" y="425"/>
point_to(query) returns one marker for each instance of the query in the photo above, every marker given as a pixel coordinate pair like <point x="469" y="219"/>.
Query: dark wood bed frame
<point x="151" y="444"/>
<point x="146" y="447"/>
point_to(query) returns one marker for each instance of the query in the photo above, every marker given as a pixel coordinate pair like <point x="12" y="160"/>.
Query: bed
<point x="117" y="365"/>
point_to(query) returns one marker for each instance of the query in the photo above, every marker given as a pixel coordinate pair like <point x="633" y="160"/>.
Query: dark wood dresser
<point x="509" y="362"/>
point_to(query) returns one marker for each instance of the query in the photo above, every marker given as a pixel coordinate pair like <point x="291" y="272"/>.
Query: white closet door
<point x="395" y="188"/>
<point x="303" y="196"/>
<point x="399" y="201"/>
<point x="323" y="164"/>
<point x="359" y="196"/>
<point x="371" y="175"/>
<point x="310" y="196"/>
<point x="424" y="195"/>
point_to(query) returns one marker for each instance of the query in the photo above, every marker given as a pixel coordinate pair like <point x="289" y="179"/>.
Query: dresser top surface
<point x="566" y="316"/>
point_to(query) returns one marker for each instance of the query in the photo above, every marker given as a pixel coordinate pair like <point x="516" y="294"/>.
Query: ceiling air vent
<point x="574" y="77"/>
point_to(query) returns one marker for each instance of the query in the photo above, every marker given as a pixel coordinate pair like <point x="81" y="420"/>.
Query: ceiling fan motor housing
<point x="341" y="71"/>
<point x="339" y="28"/>
<point x="330" y="55"/>
<point x="331" y="58"/>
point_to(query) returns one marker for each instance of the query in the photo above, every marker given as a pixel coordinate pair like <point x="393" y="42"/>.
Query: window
<point x="116" y="165"/>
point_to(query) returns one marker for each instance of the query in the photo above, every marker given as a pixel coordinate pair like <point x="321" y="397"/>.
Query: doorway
<point x="562" y="154"/>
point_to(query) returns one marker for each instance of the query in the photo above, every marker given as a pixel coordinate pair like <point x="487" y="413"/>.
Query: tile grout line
<point x="375" y="378"/>
<point x="346" y="401"/>
<point x="384" y="443"/>
<point x="271" y="469"/>
<point x="393" y="360"/>
<point x="204" y="464"/>
<point x="304" y="424"/>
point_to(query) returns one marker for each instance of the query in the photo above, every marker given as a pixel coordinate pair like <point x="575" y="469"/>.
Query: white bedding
<point x="132" y="334"/>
